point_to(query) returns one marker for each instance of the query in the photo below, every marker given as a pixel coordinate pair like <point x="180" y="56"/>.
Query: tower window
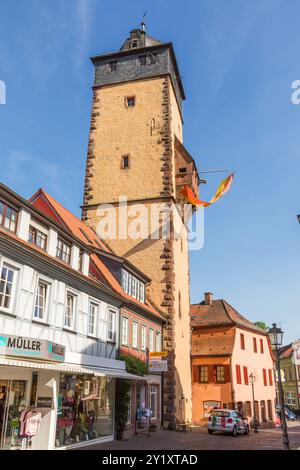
<point x="182" y="171"/>
<point x="142" y="60"/>
<point x="130" y="101"/>
<point x="125" y="162"/>
<point x="134" y="44"/>
<point x="152" y="59"/>
<point x="112" y="66"/>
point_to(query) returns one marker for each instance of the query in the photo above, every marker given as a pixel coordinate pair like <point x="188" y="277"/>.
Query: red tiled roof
<point x="286" y="351"/>
<point x="79" y="229"/>
<point x="218" y="341"/>
<point x="220" y="312"/>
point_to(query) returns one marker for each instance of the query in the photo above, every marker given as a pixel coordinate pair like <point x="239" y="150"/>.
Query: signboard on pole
<point x="158" y="365"/>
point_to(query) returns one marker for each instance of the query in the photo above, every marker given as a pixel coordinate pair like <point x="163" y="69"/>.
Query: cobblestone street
<point x="199" y="439"/>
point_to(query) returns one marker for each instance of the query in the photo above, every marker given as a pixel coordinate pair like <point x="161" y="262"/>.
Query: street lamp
<point x="276" y="334"/>
<point x="255" y="422"/>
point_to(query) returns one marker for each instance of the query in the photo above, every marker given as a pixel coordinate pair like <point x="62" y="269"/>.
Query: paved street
<point x="199" y="439"/>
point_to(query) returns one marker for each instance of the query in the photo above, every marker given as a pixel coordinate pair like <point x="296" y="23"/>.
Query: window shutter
<point x="227" y="374"/>
<point x="210" y="374"/>
<point x="246" y="381"/>
<point x="265" y="376"/>
<point x="214" y="378"/>
<point x="270" y="377"/>
<point x="196" y="372"/>
<point x="238" y="374"/>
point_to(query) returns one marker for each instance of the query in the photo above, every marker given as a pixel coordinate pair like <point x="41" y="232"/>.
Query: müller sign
<point x="31" y="347"/>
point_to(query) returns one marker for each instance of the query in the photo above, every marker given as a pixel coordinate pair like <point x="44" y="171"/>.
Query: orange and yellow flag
<point x="223" y="187"/>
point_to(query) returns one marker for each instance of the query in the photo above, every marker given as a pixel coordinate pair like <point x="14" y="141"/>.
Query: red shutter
<point x="238" y="374"/>
<point x="196" y="374"/>
<point x="254" y="345"/>
<point x="210" y="374"/>
<point x="214" y="374"/>
<point x="242" y="341"/>
<point x="246" y="381"/>
<point x="261" y="346"/>
<point x="265" y="377"/>
<point x="270" y="377"/>
<point x="227" y="374"/>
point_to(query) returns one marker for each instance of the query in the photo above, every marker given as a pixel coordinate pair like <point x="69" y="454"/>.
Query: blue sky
<point x="238" y="60"/>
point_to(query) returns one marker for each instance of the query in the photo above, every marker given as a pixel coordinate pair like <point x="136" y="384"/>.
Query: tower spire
<point x="143" y="23"/>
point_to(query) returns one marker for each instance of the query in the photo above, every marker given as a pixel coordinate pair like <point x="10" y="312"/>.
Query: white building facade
<point x="58" y="335"/>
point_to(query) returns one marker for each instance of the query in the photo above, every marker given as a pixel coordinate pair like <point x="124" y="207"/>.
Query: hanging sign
<point x="158" y="354"/>
<point x="31" y="348"/>
<point x="158" y="365"/>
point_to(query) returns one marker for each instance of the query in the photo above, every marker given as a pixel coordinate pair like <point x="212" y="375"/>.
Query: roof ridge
<point x="226" y="310"/>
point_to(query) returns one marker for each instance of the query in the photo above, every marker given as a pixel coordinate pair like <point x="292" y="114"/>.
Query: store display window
<point x="85" y="408"/>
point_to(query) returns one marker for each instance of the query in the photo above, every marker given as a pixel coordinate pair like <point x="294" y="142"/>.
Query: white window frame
<point x="154" y="392"/>
<point x="135" y="334"/>
<point x="157" y="341"/>
<point x="133" y="286"/>
<point x="151" y="340"/>
<point x="48" y="284"/>
<point x="144" y="338"/>
<point x="124" y="337"/>
<point x="96" y="316"/>
<point x="111" y="311"/>
<point x="5" y="262"/>
<point x="74" y="313"/>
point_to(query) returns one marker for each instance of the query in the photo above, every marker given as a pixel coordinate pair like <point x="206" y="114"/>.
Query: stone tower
<point x="135" y="150"/>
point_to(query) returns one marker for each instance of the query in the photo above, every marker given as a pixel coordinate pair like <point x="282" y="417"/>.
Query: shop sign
<point x="30" y="347"/>
<point x="158" y="354"/>
<point x="44" y="402"/>
<point x="158" y="365"/>
<point x="208" y="406"/>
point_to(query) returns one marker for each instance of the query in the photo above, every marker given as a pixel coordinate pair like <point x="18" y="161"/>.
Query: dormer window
<point x="133" y="286"/>
<point x="8" y="216"/>
<point x="36" y="237"/>
<point x="63" y="250"/>
<point x="134" y="44"/>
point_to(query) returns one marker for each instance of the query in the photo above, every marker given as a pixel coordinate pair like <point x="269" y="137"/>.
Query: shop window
<point x="151" y="340"/>
<point x="203" y="374"/>
<point x="263" y="411"/>
<point x="111" y="325"/>
<point x="6" y="286"/>
<point x="70" y="311"/>
<point x="144" y="336"/>
<point x="33" y="392"/>
<point x="38" y="238"/>
<point x="134" y="335"/>
<point x="290" y="398"/>
<point x="40" y="307"/>
<point x="93" y="316"/>
<point x="8" y="217"/>
<point x="270" y="410"/>
<point x="85" y="408"/>
<point x="153" y="401"/>
<point x="125" y="331"/>
<point x="63" y="251"/>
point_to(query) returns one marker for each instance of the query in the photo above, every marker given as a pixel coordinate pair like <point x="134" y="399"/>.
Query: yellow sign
<point x="158" y="354"/>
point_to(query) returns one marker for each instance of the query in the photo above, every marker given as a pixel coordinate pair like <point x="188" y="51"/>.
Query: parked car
<point x="228" y="421"/>
<point x="289" y="414"/>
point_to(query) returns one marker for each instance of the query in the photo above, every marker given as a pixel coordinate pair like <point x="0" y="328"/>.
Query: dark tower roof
<point x="139" y="38"/>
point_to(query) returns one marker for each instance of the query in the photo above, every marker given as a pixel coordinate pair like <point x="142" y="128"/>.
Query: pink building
<point x="226" y="349"/>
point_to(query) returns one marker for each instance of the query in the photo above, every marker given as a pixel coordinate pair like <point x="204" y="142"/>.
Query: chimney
<point x="208" y="298"/>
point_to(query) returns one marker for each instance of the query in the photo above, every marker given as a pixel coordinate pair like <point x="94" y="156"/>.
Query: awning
<point x="73" y="368"/>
